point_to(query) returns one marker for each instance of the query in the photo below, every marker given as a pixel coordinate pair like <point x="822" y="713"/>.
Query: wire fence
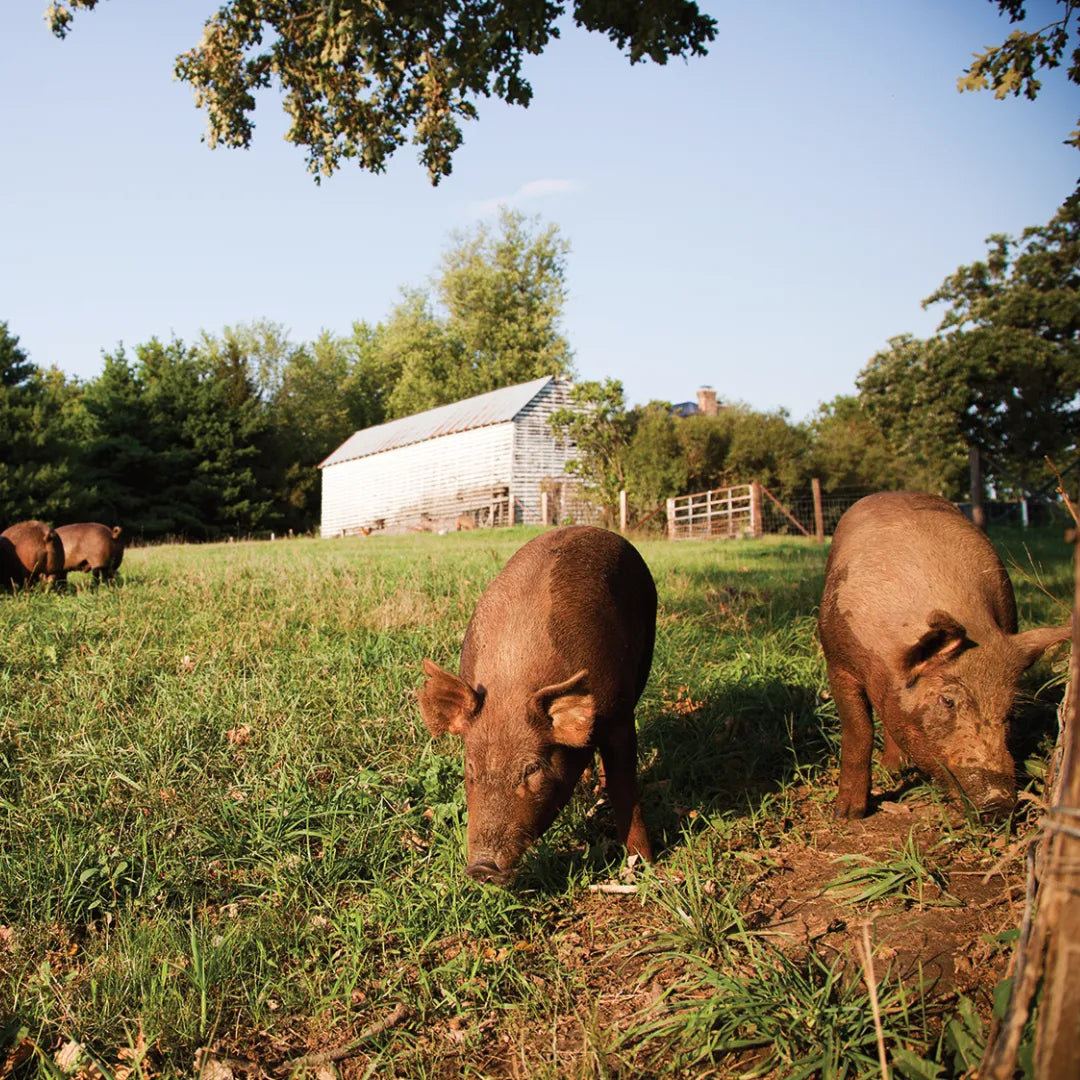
<point x="708" y="515"/>
<point x="800" y="519"/>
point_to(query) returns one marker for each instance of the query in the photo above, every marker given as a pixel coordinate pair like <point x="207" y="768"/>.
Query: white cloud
<point x="528" y="192"/>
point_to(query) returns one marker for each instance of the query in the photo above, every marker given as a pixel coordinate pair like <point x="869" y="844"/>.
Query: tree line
<point x="224" y="435"/>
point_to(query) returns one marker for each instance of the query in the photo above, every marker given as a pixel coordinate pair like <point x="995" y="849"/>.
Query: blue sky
<point x="761" y="220"/>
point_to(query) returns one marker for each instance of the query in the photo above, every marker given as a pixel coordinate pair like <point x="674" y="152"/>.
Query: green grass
<point x="223" y="824"/>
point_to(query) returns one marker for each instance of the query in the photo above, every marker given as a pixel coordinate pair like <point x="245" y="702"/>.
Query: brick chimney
<point x="706" y="401"/>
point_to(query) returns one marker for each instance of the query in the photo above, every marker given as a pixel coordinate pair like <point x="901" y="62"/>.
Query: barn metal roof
<point x="494" y="407"/>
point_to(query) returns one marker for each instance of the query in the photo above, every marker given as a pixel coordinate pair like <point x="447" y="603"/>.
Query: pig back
<point x="574" y="598"/>
<point x="898" y="556"/>
<point x="89" y="545"/>
<point x="37" y="548"/>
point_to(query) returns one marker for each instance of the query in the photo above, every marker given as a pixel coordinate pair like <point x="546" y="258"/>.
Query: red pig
<point x="554" y="660"/>
<point x="918" y="623"/>
<point x="92" y="547"/>
<point x="30" y="551"/>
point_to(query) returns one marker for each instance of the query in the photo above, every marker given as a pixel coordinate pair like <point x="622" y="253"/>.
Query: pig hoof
<point x="842" y="808"/>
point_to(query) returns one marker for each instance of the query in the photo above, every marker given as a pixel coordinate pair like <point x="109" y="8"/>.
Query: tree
<point x="1003" y="372"/>
<point x="656" y="467"/>
<point x="599" y="428"/>
<point x="497" y="322"/>
<point x="16" y="373"/>
<point x="328" y="390"/>
<point x="1010" y="346"/>
<point x="15" y="366"/>
<point x="1011" y="69"/>
<point x="358" y="76"/>
<point x="847" y="449"/>
<point x="41" y="425"/>
<point x="416" y="344"/>
<point x="176" y="441"/>
<point x="739" y="445"/>
<point x="120" y="459"/>
<point x="763" y="446"/>
<point x="504" y="294"/>
<point x="909" y="398"/>
<point x="264" y="344"/>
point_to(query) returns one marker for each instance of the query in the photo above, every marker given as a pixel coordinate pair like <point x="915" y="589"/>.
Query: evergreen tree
<point x="42" y="426"/>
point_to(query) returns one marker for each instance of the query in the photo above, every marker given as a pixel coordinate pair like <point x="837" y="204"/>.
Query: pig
<point x="918" y="623"/>
<point x="31" y="551"/>
<point x="554" y="660"/>
<point x="92" y="547"/>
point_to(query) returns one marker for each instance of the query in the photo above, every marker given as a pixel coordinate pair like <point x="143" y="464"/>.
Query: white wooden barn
<point x="482" y="461"/>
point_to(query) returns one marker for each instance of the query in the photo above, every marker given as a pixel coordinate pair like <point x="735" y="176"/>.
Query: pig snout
<point x="992" y="794"/>
<point x="494" y="852"/>
<point x="489" y="872"/>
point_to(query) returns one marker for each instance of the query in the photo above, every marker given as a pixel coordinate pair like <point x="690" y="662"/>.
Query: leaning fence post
<point x="819" y="517"/>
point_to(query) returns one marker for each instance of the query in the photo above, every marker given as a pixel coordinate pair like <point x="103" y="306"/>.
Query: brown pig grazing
<point x="918" y="622"/>
<point x="92" y="547"/>
<point x="30" y="551"/>
<point x="555" y="658"/>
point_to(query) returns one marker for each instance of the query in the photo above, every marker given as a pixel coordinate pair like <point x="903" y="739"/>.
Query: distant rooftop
<point x="494" y="407"/>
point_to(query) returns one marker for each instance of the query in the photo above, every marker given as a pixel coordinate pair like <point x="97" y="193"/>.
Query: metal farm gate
<point x="722" y="512"/>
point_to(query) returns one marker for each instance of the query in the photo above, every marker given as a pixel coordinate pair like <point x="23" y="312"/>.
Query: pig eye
<point x="532" y="767"/>
<point x="947" y="701"/>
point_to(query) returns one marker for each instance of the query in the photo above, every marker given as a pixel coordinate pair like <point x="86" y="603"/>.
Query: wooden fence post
<point x="624" y="511"/>
<point x="756" y="524"/>
<point x="1048" y="945"/>
<point x="1059" y="1016"/>
<point x="544" y="509"/>
<point x="819" y="517"/>
<point x="978" y="511"/>
<point x="671" y="519"/>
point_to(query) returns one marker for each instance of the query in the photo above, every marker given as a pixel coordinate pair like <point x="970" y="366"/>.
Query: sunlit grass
<point x="223" y="824"/>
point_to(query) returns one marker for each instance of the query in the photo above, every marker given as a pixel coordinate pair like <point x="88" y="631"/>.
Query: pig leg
<point x="856" y="744"/>
<point x="619" y="761"/>
<point x="892" y="757"/>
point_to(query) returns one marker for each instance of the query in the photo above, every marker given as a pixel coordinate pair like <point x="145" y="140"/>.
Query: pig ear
<point x="447" y="703"/>
<point x="570" y="709"/>
<point x="942" y="642"/>
<point x="1031" y="644"/>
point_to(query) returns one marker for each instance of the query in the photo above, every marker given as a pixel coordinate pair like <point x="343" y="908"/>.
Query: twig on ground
<point x="401" y="1012"/>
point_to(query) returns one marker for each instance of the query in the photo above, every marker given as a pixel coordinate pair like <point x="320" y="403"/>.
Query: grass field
<point x="227" y="841"/>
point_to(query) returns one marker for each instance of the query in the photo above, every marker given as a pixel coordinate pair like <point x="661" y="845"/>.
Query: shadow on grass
<point x="725" y="754"/>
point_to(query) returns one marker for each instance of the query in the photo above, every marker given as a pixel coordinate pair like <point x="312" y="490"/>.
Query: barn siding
<point x="536" y="455"/>
<point x="440" y="478"/>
